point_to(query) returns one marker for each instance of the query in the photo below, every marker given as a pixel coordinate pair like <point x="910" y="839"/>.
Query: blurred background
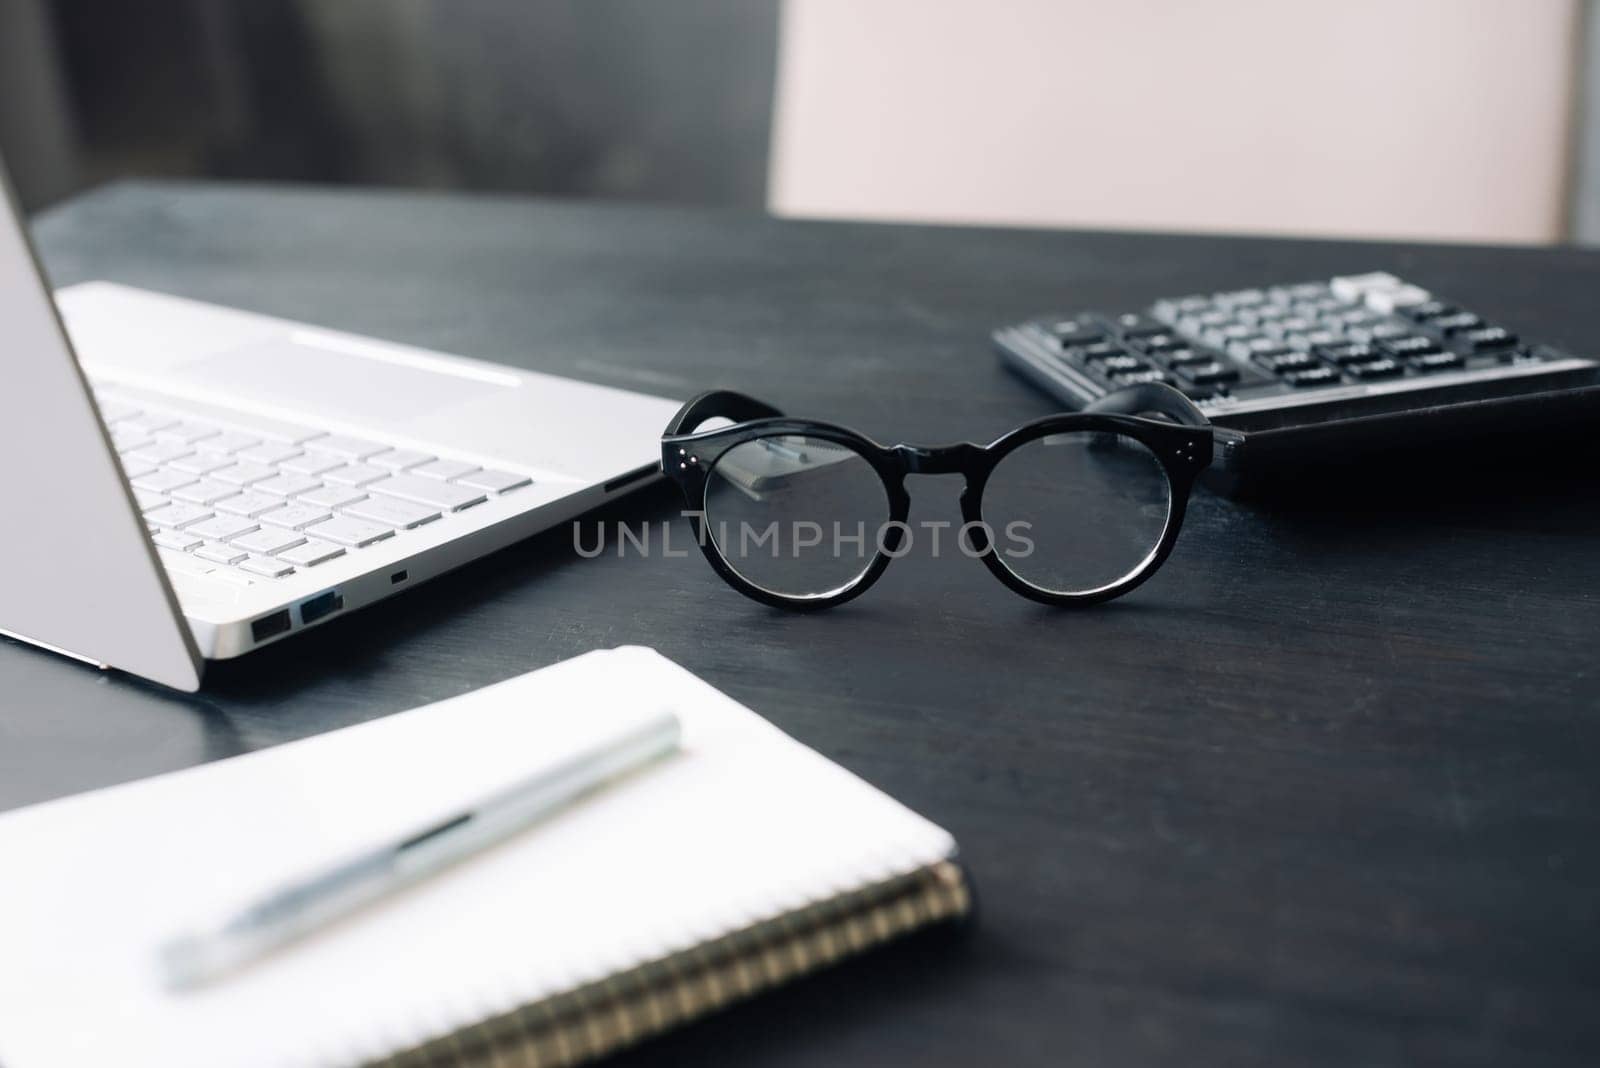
<point x="1454" y="120"/>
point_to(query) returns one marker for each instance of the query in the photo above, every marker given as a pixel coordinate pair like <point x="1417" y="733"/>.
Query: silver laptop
<point x="182" y="482"/>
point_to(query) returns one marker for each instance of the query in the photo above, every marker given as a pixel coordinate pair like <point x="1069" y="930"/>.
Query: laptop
<point x="185" y="482"/>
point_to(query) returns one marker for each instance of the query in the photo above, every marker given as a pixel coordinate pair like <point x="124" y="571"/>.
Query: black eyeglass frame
<point x="1180" y="438"/>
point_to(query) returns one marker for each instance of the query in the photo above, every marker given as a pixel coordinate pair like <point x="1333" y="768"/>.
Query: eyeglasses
<point x="1069" y="510"/>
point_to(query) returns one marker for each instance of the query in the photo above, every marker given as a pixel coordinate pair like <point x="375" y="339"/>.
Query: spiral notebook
<point x="742" y="861"/>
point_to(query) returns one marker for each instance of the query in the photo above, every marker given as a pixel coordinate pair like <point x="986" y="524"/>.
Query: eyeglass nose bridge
<point x="938" y="459"/>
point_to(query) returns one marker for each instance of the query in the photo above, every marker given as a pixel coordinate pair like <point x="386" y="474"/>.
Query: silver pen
<point x="311" y="901"/>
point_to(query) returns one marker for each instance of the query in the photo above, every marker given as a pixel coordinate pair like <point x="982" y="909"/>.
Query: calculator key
<point x="1281" y="363"/>
<point x="269" y="541"/>
<point x="249" y="504"/>
<point x="444" y="495"/>
<point x="266" y="566"/>
<point x="295" y="516"/>
<point x="1428" y="310"/>
<point x="1459" y="321"/>
<point x="311" y="553"/>
<point x="1382" y="368"/>
<point x="1207" y="374"/>
<point x="1484" y="339"/>
<point x="1076" y="331"/>
<point x="163" y="481"/>
<point x="495" y="481"/>
<point x="1131" y="325"/>
<point x="1409" y="346"/>
<point x="1349" y="352"/>
<point x="177" y="540"/>
<point x="176" y="516"/>
<point x="352" y="533"/>
<point x="222" y="528"/>
<point x="206" y="491"/>
<point x="1157" y="343"/>
<point x="401" y="514"/>
<point x="1118" y="364"/>
<point x="400" y="459"/>
<point x="1436" y="361"/>
<point x="1315" y="376"/>
<point x="1136" y="378"/>
<point x="218" y="553"/>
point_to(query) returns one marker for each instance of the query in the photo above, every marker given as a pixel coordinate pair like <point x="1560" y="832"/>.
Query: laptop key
<point x="228" y="442"/>
<point x="333" y="496"/>
<point x="351" y="533"/>
<point x="219" y="553"/>
<point x="495" y="481"/>
<point x="347" y="447"/>
<point x="148" y="499"/>
<point x="311" y="463"/>
<point x="163" y="452"/>
<point x="395" y="513"/>
<point x="222" y="528"/>
<point x="400" y="459"/>
<point x="206" y="491"/>
<point x="354" y="475"/>
<point x="295" y="516"/>
<point x="201" y="463"/>
<point x="177" y="515"/>
<point x="249" y="504"/>
<point x="177" y="540"/>
<point x="444" y="495"/>
<point x="263" y="565"/>
<point x="269" y="452"/>
<point x="269" y="541"/>
<point x="147" y="423"/>
<point x="243" y="474"/>
<point x="163" y="481"/>
<point x="286" y="485"/>
<point x="444" y="470"/>
<point x="310" y="553"/>
<point x="187" y="433"/>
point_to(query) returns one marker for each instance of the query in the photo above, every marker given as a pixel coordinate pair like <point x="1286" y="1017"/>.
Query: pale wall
<point x="1419" y="118"/>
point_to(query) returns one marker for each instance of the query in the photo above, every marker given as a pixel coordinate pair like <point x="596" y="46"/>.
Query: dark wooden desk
<point x="1325" y="791"/>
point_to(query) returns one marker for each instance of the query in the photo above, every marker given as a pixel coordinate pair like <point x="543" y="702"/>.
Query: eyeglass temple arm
<point x="718" y="404"/>
<point x="1151" y="397"/>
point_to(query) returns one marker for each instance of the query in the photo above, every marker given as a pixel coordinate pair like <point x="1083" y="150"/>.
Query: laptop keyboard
<point x="268" y="498"/>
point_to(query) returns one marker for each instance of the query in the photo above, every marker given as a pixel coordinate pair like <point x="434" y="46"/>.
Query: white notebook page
<point x="743" y="825"/>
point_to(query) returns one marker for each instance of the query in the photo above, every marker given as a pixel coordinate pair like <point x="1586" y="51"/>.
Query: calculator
<point x="1344" y="366"/>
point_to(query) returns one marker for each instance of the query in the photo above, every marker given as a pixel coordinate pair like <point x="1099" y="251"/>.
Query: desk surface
<point x="1324" y="791"/>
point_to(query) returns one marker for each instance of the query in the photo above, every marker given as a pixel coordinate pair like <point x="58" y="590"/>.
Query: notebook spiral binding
<point x="605" y="1016"/>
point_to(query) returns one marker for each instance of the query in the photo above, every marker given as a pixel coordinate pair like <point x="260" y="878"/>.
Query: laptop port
<point x="270" y="626"/>
<point x="323" y="604"/>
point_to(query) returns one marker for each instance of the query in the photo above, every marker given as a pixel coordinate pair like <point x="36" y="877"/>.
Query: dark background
<point x="608" y="98"/>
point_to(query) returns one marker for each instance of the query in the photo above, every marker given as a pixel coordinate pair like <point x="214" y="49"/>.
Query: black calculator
<point x="1291" y="373"/>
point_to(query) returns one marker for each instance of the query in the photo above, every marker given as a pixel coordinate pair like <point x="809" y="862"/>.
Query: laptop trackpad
<point x="379" y="385"/>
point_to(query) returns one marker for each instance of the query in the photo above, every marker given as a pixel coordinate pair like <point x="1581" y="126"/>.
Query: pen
<point x="309" y="902"/>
